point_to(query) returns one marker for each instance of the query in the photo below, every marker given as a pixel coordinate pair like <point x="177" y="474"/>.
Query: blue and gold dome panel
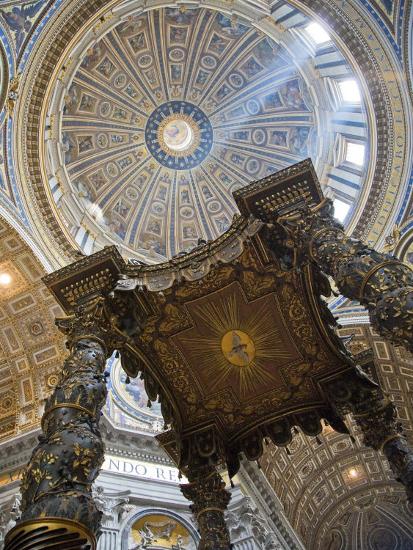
<point x="172" y="110"/>
<point x="179" y="135"/>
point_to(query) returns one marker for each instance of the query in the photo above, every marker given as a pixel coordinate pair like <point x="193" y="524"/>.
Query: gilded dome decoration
<point x="172" y="110"/>
<point x="178" y="135"/>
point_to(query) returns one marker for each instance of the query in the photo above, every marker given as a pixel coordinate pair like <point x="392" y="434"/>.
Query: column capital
<point x="92" y="320"/>
<point x="210" y="499"/>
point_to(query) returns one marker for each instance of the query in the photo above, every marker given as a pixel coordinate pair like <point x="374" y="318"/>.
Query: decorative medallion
<point x="179" y="135"/>
<point x="238" y="348"/>
<point x="247" y="359"/>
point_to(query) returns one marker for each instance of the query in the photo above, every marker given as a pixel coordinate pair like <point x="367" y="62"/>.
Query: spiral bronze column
<point x="57" y="504"/>
<point x="380" y="282"/>
<point x="210" y="499"/>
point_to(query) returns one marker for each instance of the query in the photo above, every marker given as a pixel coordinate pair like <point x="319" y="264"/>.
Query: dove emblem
<point x="238" y="348"/>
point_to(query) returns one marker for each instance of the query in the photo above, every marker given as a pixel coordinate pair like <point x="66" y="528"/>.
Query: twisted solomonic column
<point x="380" y="282"/>
<point x="210" y="499"/>
<point x="57" y="505"/>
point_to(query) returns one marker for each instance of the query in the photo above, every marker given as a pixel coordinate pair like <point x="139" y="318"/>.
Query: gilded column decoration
<point x="210" y="499"/>
<point x="381" y="282"/>
<point x="377" y="419"/>
<point x="56" y="487"/>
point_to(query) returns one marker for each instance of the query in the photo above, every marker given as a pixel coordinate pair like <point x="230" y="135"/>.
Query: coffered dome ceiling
<point x="170" y="112"/>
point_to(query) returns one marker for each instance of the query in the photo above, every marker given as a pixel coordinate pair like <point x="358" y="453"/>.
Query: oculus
<point x="179" y="135"/>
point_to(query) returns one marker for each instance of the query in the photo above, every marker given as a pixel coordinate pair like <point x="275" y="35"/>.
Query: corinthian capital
<point x="209" y="502"/>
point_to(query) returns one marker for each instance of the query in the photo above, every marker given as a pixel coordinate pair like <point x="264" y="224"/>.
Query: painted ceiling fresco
<point x="171" y="112"/>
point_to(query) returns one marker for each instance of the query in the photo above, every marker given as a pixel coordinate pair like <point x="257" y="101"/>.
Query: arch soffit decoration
<point x="307" y="511"/>
<point x="31" y="347"/>
<point x="62" y="33"/>
<point x="364" y="501"/>
<point x="24" y="234"/>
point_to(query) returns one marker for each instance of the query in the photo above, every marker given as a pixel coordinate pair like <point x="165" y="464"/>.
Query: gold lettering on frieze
<point x="137" y="468"/>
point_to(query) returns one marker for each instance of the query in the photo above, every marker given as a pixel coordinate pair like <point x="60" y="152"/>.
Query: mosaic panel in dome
<point x="20" y="18"/>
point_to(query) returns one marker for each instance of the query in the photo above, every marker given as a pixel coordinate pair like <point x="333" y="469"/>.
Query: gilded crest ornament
<point x="12" y="93"/>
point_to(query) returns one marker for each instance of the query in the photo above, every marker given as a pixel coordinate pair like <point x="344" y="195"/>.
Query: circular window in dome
<point x="179" y="135"/>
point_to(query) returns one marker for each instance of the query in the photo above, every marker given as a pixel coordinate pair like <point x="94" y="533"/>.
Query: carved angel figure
<point x="163" y="530"/>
